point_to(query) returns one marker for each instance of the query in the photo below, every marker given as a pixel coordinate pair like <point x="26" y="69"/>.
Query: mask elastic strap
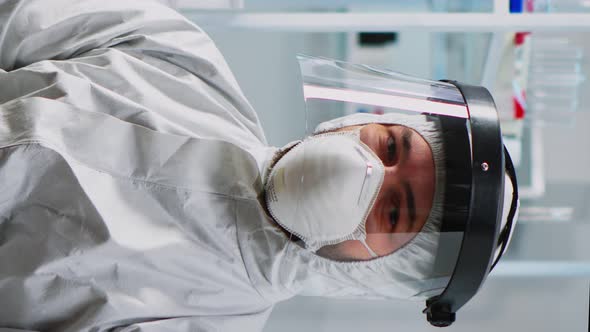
<point x="371" y="252"/>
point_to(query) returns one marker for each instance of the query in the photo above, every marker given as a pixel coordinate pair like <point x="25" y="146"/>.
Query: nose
<point x="395" y="174"/>
<point x="392" y="174"/>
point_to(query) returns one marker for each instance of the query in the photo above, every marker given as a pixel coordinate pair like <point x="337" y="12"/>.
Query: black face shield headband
<point x="474" y="203"/>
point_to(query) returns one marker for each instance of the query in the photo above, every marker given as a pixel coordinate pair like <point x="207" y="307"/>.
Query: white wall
<point x="567" y="148"/>
<point x="264" y="64"/>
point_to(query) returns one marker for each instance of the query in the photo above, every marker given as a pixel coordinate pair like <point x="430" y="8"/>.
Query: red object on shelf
<point x="529" y="6"/>
<point x="519" y="109"/>
<point x="519" y="37"/>
<point x="378" y="110"/>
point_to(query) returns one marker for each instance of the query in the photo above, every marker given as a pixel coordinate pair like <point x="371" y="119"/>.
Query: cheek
<point x="345" y="251"/>
<point x="386" y="243"/>
<point x="373" y="224"/>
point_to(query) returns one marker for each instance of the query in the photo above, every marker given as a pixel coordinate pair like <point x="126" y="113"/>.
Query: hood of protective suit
<point x="128" y="156"/>
<point x="404" y="273"/>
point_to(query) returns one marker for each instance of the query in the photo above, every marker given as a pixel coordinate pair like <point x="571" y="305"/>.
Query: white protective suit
<point x="131" y="170"/>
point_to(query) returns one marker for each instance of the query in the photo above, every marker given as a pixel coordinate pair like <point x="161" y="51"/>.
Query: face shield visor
<point x="408" y="172"/>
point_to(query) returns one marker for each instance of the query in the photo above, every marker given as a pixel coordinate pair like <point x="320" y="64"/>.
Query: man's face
<point x="405" y="198"/>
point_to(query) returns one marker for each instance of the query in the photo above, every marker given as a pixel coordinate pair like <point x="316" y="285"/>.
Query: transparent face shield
<point x="386" y="175"/>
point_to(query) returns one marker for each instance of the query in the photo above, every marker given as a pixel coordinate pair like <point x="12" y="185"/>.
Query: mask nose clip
<point x="368" y="172"/>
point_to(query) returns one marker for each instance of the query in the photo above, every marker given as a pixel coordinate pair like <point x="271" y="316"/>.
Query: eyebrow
<point x="410" y="202"/>
<point x="406" y="139"/>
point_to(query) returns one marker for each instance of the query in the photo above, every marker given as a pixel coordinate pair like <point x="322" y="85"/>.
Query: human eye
<point x="391" y="149"/>
<point x="393" y="216"/>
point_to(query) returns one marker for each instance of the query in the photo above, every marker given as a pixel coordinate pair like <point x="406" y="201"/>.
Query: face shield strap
<point x="504" y="236"/>
<point x="484" y="210"/>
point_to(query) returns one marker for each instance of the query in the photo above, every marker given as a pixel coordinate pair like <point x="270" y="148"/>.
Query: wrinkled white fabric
<point x="128" y="154"/>
<point x="323" y="189"/>
<point x="131" y="170"/>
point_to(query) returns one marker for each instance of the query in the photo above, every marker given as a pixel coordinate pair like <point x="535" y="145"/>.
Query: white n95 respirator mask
<point x="323" y="189"/>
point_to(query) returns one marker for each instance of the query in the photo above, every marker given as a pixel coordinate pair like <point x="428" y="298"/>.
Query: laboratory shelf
<point x="391" y="21"/>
